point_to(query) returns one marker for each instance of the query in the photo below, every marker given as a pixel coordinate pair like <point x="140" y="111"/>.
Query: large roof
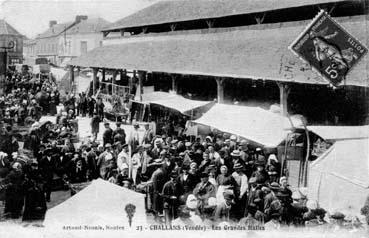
<point x="89" y="26"/>
<point x="7" y="29"/>
<point x="248" y="53"/>
<point x="185" y="10"/>
<point x="55" y="30"/>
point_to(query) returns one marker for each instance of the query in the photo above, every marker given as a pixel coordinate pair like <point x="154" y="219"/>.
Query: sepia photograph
<point x="184" y="118"/>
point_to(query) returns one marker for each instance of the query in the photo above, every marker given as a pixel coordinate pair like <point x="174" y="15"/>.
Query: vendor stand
<point x="163" y="107"/>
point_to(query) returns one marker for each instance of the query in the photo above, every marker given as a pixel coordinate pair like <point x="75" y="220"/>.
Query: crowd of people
<point x="217" y="179"/>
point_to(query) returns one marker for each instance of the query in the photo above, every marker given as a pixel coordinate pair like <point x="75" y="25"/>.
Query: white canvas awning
<point x="334" y="133"/>
<point x="174" y="101"/>
<point x="253" y="123"/>
<point x="339" y="178"/>
<point x="101" y="203"/>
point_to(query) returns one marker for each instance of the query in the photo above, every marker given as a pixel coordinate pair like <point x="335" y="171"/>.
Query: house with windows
<point x="64" y="41"/>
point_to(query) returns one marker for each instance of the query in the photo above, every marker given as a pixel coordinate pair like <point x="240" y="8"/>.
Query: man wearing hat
<point x="47" y="166"/>
<point x="119" y="134"/>
<point x="233" y="142"/>
<point x="171" y="194"/>
<point x="204" y="190"/>
<point x="260" y="174"/>
<point x="148" y="134"/>
<point x="222" y="212"/>
<point x="123" y="158"/>
<point x="236" y="158"/>
<point x="186" y="182"/>
<point x="134" y="138"/>
<point x="104" y="160"/>
<point x="240" y="189"/>
<point x="108" y="134"/>
<point x="158" y="181"/>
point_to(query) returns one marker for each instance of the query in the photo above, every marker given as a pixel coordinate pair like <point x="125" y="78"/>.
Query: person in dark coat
<point x="119" y="134"/>
<point x="204" y="190"/>
<point x="95" y="125"/>
<point x="14" y="192"/>
<point x="47" y="169"/>
<point x="108" y="134"/>
<point x="260" y="174"/>
<point x="61" y="165"/>
<point x="78" y="170"/>
<point x="91" y="106"/>
<point x="170" y="195"/>
<point x="158" y="181"/>
<point x="100" y="108"/>
<point x="186" y="183"/>
<point x="35" y="202"/>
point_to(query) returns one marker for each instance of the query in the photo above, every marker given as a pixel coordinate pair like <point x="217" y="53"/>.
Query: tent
<point x="253" y="123"/>
<point x="101" y="203"/>
<point x="339" y="178"/>
<point x="174" y="101"/>
<point x="334" y="133"/>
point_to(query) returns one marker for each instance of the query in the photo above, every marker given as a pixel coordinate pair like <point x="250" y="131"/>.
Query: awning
<point x="101" y="203"/>
<point x="253" y="123"/>
<point x="341" y="172"/>
<point x="258" y="52"/>
<point x="334" y="133"/>
<point x="174" y="101"/>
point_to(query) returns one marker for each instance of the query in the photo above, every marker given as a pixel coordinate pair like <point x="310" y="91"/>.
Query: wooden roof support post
<point x="284" y="91"/>
<point x="103" y="75"/>
<point x="114" y="81"/>
<point x="94" y="81"/>
<point x="141" y="78"/>
<point x="174" y="83"/>
<point x="71" y="72"/>
<point x="220" y="89"/>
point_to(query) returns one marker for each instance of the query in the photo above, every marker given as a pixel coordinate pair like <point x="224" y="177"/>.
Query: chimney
<point x="52" y="23"/>
<point x="79" y="18"/>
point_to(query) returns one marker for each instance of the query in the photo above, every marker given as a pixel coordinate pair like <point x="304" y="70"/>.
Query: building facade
<point x="64" y="41"/>
<point x="10" y="34"/>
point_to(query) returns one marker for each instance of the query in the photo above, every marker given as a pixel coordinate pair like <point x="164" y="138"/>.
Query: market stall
<point x="339" y="179"/>
<point x="162" y="107"/>
<point x="255" y="124"/>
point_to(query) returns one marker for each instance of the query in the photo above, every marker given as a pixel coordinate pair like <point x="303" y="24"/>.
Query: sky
<point x="31" y="17"/>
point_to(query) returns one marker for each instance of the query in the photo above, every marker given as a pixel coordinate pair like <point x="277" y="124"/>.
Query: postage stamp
<point x="328" y="48"/>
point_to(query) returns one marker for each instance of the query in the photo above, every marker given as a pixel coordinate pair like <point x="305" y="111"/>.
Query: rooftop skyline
<point x="31" y="17"/>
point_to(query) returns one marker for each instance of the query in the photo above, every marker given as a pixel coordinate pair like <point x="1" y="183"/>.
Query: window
<point x="83" y="47"/>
